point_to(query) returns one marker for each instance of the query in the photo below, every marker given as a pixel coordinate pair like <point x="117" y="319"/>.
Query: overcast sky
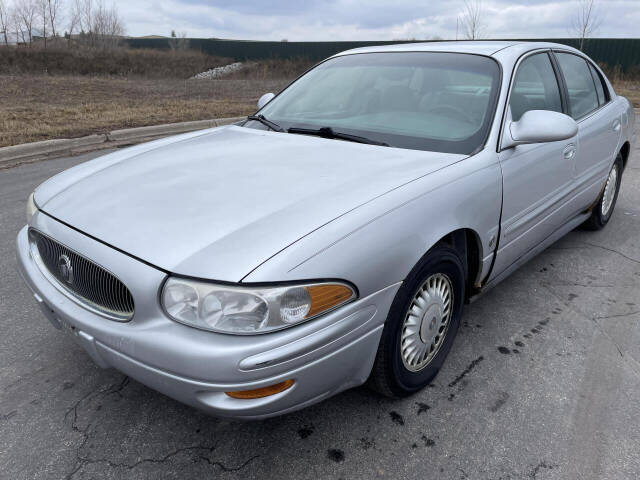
<point x="366" y="19"/>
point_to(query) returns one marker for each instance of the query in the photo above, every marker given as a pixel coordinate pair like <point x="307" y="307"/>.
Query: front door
<point x="537" y="178"/>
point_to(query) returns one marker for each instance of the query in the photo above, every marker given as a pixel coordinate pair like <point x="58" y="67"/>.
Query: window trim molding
<point x="605" y="90"/>
<point x="562" y="86"/>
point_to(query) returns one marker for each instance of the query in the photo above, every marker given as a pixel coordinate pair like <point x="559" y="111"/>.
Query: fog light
<point x="261" y="392"/>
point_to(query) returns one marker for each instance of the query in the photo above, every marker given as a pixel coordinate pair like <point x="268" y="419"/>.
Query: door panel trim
<point x="505" y="250"/>
<point x="537" y="210"/>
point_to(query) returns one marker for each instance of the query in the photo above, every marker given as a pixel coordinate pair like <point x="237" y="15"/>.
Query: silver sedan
<point x="333" y="237"/>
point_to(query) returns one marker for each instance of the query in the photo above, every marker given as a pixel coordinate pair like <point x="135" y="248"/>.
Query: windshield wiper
<point x="263" y="120"/>
<point x="328" y="132"/>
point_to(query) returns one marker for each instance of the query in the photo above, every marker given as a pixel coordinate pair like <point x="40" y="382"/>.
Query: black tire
<point x="598" y="219"/>
<point x="390" y="376"/>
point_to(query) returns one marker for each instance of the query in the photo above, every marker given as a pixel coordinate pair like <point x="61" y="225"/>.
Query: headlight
<point x="31" y="207"/>
<point x="248" y="310"/>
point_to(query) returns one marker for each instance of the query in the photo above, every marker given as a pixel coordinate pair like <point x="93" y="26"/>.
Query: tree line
<point x="90" y="22"/>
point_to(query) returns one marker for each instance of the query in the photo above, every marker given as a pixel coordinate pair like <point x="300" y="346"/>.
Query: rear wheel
<point x="601" y="213"/>
<point x="421" y="325"/>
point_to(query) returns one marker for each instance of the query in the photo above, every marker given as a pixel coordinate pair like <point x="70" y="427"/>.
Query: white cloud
<point x="364" y="19"/>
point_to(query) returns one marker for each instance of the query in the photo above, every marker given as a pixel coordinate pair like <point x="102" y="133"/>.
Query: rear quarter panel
<point x="628" y="119"/>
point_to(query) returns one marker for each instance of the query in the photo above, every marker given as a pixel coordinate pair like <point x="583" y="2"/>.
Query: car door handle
<point x="616" y="125"/>
<point x="569" y="151"/>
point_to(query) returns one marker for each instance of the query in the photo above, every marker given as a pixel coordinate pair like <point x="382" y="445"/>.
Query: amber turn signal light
<point x="325" y="297"/>
<point x="261" y="392"/>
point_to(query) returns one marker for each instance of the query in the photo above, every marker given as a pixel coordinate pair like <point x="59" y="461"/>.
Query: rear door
<point x="590" y="105"/>
<point x="537" y="178"/>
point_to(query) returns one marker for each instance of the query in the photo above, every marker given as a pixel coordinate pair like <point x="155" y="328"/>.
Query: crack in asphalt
<point x="82" y="461"/>
<point x="586" y="245"/>
<point x="116" y="388"/>
<point x="633" y="363"/>
<point x="229" y="469"/>
<point x="618" y="315"/>
<point x="130" y="466"/>
<point x="572" y="307"/>
<point x="567" y="283"/>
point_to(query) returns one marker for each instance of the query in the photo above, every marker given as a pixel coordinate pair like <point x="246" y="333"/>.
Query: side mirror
<point x="264" y="99"/>
<point x="539" y="126"/>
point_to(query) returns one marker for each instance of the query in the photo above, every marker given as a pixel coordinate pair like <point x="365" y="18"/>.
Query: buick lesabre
<point x="333" y="237"/>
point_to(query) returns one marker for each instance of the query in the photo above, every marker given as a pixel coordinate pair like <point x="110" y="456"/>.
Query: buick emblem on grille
<point x="65" y="269"/>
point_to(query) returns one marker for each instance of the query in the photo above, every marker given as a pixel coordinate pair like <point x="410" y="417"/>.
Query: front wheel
<point x="601" y="213"/>
<point x="421" y="325"/>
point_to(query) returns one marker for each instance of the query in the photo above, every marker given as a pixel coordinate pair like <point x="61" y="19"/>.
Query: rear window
<point x="583" y="98"/>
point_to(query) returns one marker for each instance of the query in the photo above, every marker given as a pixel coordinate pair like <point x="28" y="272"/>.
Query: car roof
<point x="478" y="47"/>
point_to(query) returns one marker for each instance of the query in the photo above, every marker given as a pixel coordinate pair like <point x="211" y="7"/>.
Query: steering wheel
<point x="452" y="109"/>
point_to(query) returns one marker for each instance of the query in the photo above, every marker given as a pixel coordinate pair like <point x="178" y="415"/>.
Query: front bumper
<point x="323" y="357"/>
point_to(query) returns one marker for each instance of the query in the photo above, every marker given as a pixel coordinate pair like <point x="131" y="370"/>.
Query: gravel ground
<point x="543" y="382"/>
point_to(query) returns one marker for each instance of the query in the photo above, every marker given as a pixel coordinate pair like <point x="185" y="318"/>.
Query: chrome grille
<point x="87" y="282"/>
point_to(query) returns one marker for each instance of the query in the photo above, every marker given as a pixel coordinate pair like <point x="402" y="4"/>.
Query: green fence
<point x="612" y="51"/>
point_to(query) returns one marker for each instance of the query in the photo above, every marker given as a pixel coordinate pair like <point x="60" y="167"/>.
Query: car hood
<point x="218" y="203"/>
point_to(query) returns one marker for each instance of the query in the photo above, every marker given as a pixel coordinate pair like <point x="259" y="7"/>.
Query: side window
<point x="583" y="97"/>
<point x="597" y="79"/>
<point x="535" y="87"/>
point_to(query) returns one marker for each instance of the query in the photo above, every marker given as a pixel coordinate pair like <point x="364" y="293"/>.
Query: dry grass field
<point x="70" y="92"/>
<point x="34" y="108"/>
<point x="629" y="89"/>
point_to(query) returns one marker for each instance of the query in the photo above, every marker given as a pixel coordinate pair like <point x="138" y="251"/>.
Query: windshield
<point x="432" y="101"/>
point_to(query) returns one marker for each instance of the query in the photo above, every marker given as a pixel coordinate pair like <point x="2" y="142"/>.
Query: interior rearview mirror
<point x="264" y="99"/>
<point x="539" y="126"/>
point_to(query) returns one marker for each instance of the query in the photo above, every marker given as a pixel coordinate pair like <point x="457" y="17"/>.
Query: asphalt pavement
<point x="543" y="382"/>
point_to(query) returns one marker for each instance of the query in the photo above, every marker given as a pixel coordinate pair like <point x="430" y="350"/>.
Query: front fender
<point x="378" y="244"/>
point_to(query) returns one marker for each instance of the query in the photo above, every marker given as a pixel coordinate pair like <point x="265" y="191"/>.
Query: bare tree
<point x="100" y="25"/>
<point x="107" y="25"/>
<point x="84" y="10"/>
<point x="53" y="9"/>
<point x="43" y="18"/>
<point x="471" y="19"/>
<point x="587" y="20"/>
<point x="73" y="20"/>
<point x="178" y="41"/>
<point x="16" y="21"/>
<point x="5" y="21"/>
<point x="26" y="16"/>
